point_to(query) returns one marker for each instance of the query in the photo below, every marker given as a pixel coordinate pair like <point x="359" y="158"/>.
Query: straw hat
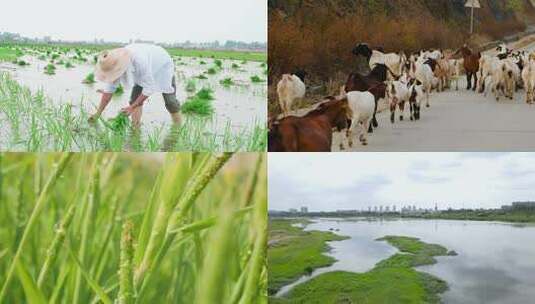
<point x="111" y="64"/>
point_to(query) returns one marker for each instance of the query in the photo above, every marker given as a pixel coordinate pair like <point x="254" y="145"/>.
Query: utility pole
<point x="472" y="4"/>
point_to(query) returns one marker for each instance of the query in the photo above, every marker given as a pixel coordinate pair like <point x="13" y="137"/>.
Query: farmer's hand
<point x="93" y="118"/>
<point x="128" y="110"/>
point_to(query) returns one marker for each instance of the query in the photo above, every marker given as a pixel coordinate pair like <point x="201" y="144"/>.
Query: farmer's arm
<point x="148" y="84"/>
<point x="139" y="101"/>
<point x="104" y="101"/>
<point x="107" y="93"/>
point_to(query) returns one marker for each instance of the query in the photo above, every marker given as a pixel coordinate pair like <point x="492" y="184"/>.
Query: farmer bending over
<point x="147" y="69"/>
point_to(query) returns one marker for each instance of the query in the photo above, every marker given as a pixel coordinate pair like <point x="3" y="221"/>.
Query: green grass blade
<point x="94" y="285"/>
<point x="31" y="290"/>
<point x="176" y="172"/>
<point x="39" y="205"/>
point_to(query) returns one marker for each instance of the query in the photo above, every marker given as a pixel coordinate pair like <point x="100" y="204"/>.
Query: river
<point x="495" y="262"/>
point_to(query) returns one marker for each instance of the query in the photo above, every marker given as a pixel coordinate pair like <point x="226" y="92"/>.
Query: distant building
<point x="293" y="210"/>
<point x="523" y="206"/>
<point x="304" y="209"/>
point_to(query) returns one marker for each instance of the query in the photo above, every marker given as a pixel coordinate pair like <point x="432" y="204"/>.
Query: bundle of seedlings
<point x="118" y="124"/>
<point x="50" y="69"/>
<point x="126" y="228"/>
<point x="89" y="79"/>
<point x="200" y="103"/>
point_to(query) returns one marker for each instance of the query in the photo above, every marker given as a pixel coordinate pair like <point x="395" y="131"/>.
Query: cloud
<point x="159" y="20"/>
<point x="331" y="181"/>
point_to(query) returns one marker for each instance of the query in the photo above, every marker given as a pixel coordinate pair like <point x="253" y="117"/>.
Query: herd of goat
<point x="398" y="80"/>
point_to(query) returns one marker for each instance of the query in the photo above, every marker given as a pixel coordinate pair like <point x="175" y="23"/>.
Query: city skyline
<point x="162" y="21"/>
<point x="353" y="182"/>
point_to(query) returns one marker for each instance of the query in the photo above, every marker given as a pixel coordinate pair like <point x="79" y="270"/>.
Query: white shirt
<point x="150" y="67"/>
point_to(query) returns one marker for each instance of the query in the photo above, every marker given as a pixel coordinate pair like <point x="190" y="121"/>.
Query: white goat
<point x="423" y="73"/>
<point x="498" y="79"/>
<point x="393" y="61"/>
<point x="362" y="106"/>
<point x="290" y="88"/>
<point x="397" y="93"/>
<point x="456" y="71"/>
<point x="487" y="64"/>
<point x="528" y="76"/>
<point x="416" y="95"/>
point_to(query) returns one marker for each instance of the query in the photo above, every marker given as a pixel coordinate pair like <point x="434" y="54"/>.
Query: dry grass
<point x="320" y="41"/>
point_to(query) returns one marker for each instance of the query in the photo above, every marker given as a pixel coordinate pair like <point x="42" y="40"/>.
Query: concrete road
<point x="457" y="121"/>
<point x="460" y="121"/>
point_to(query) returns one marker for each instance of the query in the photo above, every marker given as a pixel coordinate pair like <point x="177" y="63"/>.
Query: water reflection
<point x="495" y="264"/>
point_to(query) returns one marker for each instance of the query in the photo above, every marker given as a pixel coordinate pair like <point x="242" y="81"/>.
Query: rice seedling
<point x="33" y="122"/>
<point x="226" y="82"/>
<point x="211" y="71"/>
<point x="21" y="62"/>
<point x="119" y="90"/>
<point x="205" y="93"/>
<point x="218" y="63"/>
<point x="198" y="106"/>
<point x="202" y="62"/>
<point x="119" y="124"/>
<point x="69" y="65"/>
<point x="50" y="69"/>
<point x="89" y="79"/>
<point x="201" y="76"/>
<point x="235" y="66"/>
<point x="191" y="86"/>
<point x="200" y="103"/>
<point x="131" y="228"/>
<point x="256" y="79"/>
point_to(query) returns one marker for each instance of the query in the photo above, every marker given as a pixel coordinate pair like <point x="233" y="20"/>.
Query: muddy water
<point x="240" y="106"/>
<point x="495" y="263"/>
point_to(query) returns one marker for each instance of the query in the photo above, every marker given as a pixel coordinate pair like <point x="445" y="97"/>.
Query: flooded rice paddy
<point x="239" y="90"/>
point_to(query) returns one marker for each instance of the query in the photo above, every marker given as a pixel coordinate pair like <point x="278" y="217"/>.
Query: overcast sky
<point x="348" y="181"/>
<point x="158" y="20"/>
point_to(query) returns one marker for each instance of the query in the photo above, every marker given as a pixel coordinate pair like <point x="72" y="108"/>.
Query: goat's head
<point x="363" y="49"/>
<point x="301" y="74"/>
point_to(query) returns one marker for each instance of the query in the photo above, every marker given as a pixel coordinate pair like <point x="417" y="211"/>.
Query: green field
<point x="294" y="252"/>
<point x="220" y="54"/>
<point x="485" y="215"/>
<point x="393" y="280"/>
<point x="7" y="54"/>
<point x="201" y="53"/>
<point x="133" y="228"/>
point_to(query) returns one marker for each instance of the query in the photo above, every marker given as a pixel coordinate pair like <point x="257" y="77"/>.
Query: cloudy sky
<point x="158" y="20"/>
<point x="332" y="181"/>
